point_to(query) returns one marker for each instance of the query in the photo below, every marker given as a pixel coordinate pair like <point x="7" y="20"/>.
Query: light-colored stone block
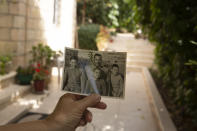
<point x="4" y="34"/>
<point x="17" y="34"/>
<point x="34" y="24"/>
<point x="31" y="23"/>
<point x="12" y="92"/>
<point x="5" y="21"/>
<point x="34" y="2"/>
<point x="29" y="45"/>
<point x="31" y="35"/>
<point x="34" y="12"/>
<point x="20" y="48"/>
<point x="7" y="47"/>
<point x="17" y="1"/>
<point x="3" y="7"/>
<point x="7" y="79"/>
<point x="12" y="112"/>
<point x="19" y="22"/>
<point x="39" y="35"/>
<point x="17" y="8"/>
<point x="20" y="61"/>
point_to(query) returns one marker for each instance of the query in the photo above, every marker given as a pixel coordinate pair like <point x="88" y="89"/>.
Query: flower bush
<point x="43" y="55"/>
<point x="103" y="38"/>
<point x="5" y="62"/>
<point x="40" y="73"/>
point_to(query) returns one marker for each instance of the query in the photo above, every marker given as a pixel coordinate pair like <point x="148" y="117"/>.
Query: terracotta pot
<point x="39" y="86"/>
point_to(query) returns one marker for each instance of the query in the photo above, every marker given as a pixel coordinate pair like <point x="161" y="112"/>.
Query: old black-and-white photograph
<point x="86" y="72"/>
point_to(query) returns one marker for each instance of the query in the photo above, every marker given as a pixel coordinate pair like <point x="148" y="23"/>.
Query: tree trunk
<point x="84" y="12"/>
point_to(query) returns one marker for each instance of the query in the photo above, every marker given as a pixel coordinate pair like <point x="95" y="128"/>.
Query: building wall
<point x="21" y="26"/>
<point x="24" y="23"/>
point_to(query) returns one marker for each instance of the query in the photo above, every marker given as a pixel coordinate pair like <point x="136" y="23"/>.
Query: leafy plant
<point x="40" y="73"/>
<point x="25" y="70"/>
<point x="43" y="55"/>
<point x="173" y="28"/>
<point x="24" y="75"/>
<point x="87" y="36"/>
<point x="5" y="61"/>
<point x="110" y="13"/>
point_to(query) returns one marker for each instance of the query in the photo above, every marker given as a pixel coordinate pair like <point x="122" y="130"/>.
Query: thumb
<point x="89" y="101"/>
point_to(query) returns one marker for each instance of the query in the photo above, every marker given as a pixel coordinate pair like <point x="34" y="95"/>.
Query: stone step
<point x="144" y="63"/>
<point x="133" y="49"/>
<point x="141" y="46"/>
<point x="12" y="112"/>
<point x="135" y="68"/>
<point x="21" y="106"/>
<point x="141" y="51"/>
<point x="35" y="100"/>
<point x="7" y="79"/>
<point x="11" y="93"/>
<point x="140" y="56"/>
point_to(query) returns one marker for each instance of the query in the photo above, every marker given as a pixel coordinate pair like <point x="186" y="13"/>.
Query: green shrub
<point x="172" y="26"/>
<point x="43" y="55"/>
<point x="24" y="75"/>
<point x="5" y="62"/>
<point x="87" y="36"/>
<point x="110" y="13"/>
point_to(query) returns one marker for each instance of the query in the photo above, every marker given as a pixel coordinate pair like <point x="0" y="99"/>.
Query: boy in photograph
<point x="74" y="79"/>
<point x="115" y="82"/>
<point x="97" y="84"/>
<point x="97" y="63"/>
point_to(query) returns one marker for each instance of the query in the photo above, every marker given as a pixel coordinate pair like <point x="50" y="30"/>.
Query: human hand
<point x="71" y="111"/>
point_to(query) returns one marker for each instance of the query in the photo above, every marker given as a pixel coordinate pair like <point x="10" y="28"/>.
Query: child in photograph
<point x="73" y="77"/>
<point x="115" y="82"/>
<point x="97" y="84"/>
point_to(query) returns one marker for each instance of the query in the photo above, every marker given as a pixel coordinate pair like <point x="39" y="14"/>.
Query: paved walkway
<point x="134" y="112"/>
<point x="139" y="51"/>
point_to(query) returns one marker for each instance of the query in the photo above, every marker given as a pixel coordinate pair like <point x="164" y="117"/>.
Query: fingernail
<point x="97" y="97"/>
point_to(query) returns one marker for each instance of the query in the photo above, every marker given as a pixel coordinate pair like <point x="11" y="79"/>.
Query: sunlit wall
<point x="60" y="33"/>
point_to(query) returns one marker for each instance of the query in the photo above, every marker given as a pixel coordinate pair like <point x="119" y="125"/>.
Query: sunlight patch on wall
<point x="58" y="35"/>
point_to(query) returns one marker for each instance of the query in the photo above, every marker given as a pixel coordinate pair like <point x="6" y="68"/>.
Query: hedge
<point x="172" y="25"/>
<point x="87" y="36"/>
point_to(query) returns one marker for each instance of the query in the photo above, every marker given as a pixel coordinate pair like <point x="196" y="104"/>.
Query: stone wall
<point x="21" y="26"/>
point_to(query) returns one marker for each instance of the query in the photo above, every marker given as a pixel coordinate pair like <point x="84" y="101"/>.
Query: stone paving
<point x="133" y="113"/>
<point x="139" y="51"/>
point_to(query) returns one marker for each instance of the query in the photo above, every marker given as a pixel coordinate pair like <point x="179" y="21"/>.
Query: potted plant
<point x="39" y="78"/>
<point x="46" y="57"/>
<point x="24" y="75"/>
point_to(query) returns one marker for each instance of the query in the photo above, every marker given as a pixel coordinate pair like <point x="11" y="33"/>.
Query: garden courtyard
<point x="33" y="35"/>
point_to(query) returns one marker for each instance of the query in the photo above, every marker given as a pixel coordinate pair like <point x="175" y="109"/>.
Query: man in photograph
<point x="74" y="78"/>
<point x="96" y="63"/>
<point x="115" y="82"/>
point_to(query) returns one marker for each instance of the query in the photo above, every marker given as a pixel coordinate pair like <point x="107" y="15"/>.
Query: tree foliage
<point x="111" y="13"/>
<point x="87" y="36"/>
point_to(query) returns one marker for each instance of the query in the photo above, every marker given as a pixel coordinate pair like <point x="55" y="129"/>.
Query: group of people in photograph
<point x="93" y="78"/>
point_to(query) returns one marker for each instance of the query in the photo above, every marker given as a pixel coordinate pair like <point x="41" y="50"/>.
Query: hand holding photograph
<point x="86" y="72"/>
